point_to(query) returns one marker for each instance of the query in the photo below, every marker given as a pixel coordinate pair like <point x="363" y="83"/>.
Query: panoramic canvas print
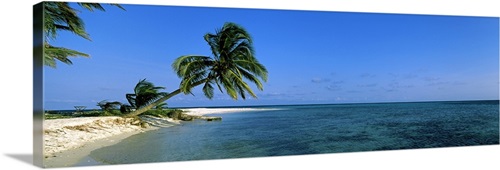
<point x="127" y="84"/>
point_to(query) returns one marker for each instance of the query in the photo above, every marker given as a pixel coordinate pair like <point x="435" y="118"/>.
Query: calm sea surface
<point x="314" y="129"/>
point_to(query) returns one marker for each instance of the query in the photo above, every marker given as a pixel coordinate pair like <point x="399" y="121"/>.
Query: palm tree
<point x="60" y="16"/>
<point x="109" y="106"/>
<point x="232" y="61"/>
<point x="145" y="93"/>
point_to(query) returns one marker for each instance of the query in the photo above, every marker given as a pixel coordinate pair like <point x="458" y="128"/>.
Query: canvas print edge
<point x="38" y="84"/>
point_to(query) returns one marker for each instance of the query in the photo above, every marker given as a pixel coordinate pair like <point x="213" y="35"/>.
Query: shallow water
<point x="314" y="129"/>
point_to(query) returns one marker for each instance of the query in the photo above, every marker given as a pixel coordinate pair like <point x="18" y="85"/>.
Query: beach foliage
<point x="233" y="60"/>
<point x="92" y="113"/>
<point x="96" y="113"/>
<point x="145" y="93"/>
<point x="163" y="113"/>
<point x="60" y="16"/>
<point x="230" y="66"/>
<point x="49" y="116"/>
<point x="107" y="106"/>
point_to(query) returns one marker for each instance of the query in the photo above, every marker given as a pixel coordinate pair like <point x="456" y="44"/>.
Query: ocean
<point x="314" y="129"/>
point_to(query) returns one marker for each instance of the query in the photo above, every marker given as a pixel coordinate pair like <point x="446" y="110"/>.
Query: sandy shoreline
<point x="206" y="111"/>
<point x="69" y="141"/>
<point x="75" y="156"/>
<point x="66" y="141"/>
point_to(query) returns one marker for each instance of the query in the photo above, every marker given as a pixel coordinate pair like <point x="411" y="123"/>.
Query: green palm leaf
<point x="51" y="54"/>
<point x="61" y="16"/>
<point x="232" y="62"/>
<point x="145" y="93"/>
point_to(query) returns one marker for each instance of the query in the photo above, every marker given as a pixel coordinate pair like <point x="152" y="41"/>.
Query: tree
<point x="145" y="93"/>
<point x="232" y="62"/>
<point x="109" y="106"/>
<point x="60" y="16"/>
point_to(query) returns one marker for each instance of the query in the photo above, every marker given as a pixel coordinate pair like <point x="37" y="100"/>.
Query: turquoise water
<point x="314" y="129"/>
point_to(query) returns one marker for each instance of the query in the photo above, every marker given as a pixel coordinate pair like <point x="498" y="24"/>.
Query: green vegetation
<point x="109" y="106"/>
<point x="161" y="113"/>
<point x="171" y="113"/>
<point x="93" y="113"/>
<point x="145" y="92"/>
<point x="59" y="16"/>
<point x="232" y="64"/>
<point x="48" y="116"/>
<point x="233" y="61"/>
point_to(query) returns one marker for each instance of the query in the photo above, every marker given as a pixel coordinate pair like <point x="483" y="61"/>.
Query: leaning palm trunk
<point x="141" y="110"/>
<point x="232" y="63"/>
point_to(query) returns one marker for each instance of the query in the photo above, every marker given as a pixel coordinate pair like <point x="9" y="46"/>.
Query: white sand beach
<point x="64" y="134"/>
<point x="206" y="111"/>
<point x="68" y="141"/>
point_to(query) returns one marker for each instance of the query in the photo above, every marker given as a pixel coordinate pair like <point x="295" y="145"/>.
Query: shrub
<point x="171" y="113"/>
<point x="93" y="113"/>
<point x="113" y="112"/>
<point x="48" y="116"/>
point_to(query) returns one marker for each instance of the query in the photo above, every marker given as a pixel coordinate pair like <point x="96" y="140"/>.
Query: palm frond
<point x="60" y="16"/>
<point x="190" y="64"/>
<point x="98" y="6"/>
<point x="51" y="54"/>
<point x="60" y="13"/>
<point x="249" y="76"/>
<point x="107" y="106"/>
<point x="145" y="93"/>
<point x="233" y="62"/>
<point x="188" y="82"/>
<point x="119" y="6"/>
<point x="91" y="6"/>
<point x="208" y="90"/>
<point x="131" y="98"/>
<point x="241" y="85"/>
<point x="227" y="84"/>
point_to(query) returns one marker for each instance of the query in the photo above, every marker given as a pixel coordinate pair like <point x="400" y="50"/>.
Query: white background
<point x="16" y="92"/>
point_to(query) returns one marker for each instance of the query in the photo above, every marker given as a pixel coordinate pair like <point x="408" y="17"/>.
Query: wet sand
<point x="79" y="156"/>
<point x="68" y="142"/>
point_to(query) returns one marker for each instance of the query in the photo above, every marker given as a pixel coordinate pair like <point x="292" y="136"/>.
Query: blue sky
<point x="312" y="57"/>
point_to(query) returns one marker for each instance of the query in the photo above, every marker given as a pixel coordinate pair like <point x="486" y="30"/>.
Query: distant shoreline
<point x="303" y="104"/>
